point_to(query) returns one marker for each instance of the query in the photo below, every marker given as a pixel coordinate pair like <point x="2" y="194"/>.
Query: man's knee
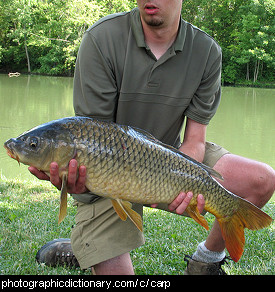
<point x="264" y="183"/>
<point x="250" y="179"/>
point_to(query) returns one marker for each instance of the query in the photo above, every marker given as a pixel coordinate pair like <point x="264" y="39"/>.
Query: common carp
<point x="127" y="165"/>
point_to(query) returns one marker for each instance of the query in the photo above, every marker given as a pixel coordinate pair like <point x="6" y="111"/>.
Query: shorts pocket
<point x="82" y="233"/>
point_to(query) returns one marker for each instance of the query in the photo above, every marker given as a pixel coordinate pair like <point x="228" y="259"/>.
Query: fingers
<point x="54" y="175"/>
<point x="82" y="175"/>
<point x="182" y="201"/>
<point x="72" y="174"/>
<point x="39" y="174"/>
<point x="201" y="203"/>
<point x="76" y="178"/>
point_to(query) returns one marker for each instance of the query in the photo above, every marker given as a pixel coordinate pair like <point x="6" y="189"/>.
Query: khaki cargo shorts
<point x="99" y="234"/>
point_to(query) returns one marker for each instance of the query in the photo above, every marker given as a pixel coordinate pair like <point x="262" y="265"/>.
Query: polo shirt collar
<point x="139" y="35"/>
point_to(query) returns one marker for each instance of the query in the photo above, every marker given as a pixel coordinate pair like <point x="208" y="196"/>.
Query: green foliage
<point x="50" y="31"/>
<point x="245" y="31"/>
<point x="43" y="36"/>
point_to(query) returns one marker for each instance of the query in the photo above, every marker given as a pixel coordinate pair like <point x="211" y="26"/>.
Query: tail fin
<point x="248" y="216"/>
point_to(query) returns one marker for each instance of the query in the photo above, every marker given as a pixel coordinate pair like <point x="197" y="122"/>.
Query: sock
<point x="205" y="255"/>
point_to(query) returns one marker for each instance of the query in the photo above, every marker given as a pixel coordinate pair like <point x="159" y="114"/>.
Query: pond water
<point x="244" y="123"/>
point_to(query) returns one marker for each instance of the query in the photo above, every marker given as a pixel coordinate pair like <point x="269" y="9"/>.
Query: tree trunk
<point x="27" y="53"/>
<point x="256" y="70"/>
<point x="247" y="71"/>
<point x="28" y="59"/>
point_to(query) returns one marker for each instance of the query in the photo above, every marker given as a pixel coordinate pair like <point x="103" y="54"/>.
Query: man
<point x="150" y="69"/>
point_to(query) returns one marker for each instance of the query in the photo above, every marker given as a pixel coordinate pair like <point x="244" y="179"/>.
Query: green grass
<point x="28" y="219"/>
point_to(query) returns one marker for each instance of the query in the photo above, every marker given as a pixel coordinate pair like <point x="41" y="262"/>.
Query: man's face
<point x="159" y="13"/>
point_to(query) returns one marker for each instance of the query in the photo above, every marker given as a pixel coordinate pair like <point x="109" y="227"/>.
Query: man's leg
<point x="249" y="179"/>
<point x="120" y="265"/>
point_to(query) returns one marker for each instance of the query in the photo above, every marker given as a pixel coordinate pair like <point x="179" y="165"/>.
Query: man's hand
<point x="76" y="177"/>
<point x="182" y="201"/>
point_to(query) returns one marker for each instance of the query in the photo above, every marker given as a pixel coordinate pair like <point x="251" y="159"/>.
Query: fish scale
<point x="126" y="164"/>
<point x="149" y="163"/>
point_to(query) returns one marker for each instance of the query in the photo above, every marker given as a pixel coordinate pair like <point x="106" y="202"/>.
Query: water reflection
<point x="28" y="101"/>
<point x="244" y="123"/>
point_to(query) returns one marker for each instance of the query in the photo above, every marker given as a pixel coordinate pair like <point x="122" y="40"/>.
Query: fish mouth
<point x="12" y="154"/>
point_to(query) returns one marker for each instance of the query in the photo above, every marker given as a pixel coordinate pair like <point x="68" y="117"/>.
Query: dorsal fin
<point x="151" y="138"/>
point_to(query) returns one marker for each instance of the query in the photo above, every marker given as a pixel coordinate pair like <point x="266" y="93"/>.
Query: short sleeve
<point x="206" y="99"/>
<point x="95" y="90"/>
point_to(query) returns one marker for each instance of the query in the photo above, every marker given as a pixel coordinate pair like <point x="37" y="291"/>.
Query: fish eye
<point x="33" y="142"/>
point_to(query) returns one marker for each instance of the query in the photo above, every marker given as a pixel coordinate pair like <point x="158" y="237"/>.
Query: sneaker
<point x="57" y="252"/>
<point x="200" y="268"/>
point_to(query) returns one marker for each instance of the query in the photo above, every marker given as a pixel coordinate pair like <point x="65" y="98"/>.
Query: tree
<point x="47" y="33"/>
<point x="256" y="38"/>
<point x="15" y="22"/>
<point x="245" y="31"/>
<point x="43" y="36"/>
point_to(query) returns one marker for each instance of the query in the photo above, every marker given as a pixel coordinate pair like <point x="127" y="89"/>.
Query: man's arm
<point x="194" y="146"/>
<point x="202" y="108"/>
<point x="194" y="140"/>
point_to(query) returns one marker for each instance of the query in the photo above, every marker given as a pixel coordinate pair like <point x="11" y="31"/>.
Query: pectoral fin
<point x="194" y="213"/>
<point x="63" y="200"/>
<point x="124" y="210"/>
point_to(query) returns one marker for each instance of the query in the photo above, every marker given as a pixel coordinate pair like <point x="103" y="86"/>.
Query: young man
<point x="150" y="69"/>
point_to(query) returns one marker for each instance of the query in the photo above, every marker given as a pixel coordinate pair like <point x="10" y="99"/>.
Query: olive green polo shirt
<point x="118" y="78"/>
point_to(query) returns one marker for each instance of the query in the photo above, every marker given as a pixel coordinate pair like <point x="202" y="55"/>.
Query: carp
<point x="126" y="164"/>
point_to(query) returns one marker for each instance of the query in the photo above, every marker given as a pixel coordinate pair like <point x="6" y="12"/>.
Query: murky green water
<point x="244" y="123"/>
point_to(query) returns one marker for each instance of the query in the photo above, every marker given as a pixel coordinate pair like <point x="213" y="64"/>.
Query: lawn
<point x="28" y="219"/>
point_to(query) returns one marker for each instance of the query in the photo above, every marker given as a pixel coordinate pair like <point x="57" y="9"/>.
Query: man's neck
<point x="160" y="39"/>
